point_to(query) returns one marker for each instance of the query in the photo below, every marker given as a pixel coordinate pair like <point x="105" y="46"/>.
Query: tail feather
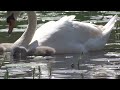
<point x="108" y="27"/>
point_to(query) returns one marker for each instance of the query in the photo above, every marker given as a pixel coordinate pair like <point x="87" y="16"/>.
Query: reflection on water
<point x="94" y="65"/>
<point x="90" y="66"/>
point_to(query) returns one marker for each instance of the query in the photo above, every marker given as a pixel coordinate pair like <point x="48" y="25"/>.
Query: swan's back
<point x="49" y="27"/>
<point x="67" y="35"/>
<point x="42" y="31"/>
<point x="68" y="22"/>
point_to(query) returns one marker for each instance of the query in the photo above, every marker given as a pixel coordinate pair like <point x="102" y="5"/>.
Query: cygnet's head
<point x="42" y="51"/>
<point x="19" y="53"/>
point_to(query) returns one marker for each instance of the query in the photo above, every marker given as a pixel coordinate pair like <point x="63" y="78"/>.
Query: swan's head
<point x="11" y="19"/>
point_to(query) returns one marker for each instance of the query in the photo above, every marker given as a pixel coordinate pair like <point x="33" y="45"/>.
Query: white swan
<point x="19" y="46"/>
<point x="66" y="35"/>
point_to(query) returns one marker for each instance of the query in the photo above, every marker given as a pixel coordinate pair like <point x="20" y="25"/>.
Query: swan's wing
<point x="89" y="29"/>
<point x="43" y="31"/>
<point x="66" y="28"/>
<point x="50" y="27"/>
<point x="68" y="21"/>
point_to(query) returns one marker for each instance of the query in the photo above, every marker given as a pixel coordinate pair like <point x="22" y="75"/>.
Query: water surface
<point x="94" y="65"/>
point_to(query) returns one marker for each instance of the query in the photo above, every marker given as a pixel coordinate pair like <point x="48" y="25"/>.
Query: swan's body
<point x="65" y="35"/>
<point x="69" y="36"/>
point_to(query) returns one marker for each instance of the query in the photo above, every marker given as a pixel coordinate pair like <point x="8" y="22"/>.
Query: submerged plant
<point x="72" y="65"/>
<point x="2" y="61"/>
<point x="6" y="76"/>
<point x="82" y="76"/>
<point x="39" y="69"/>
<point x="50" y="72"/>
<point x="79" y="59"/>
<point x="78" y="64"/>
<point x="33" y="73"/>
<point x="117" y="35"/>
<point x="117" y="26"/>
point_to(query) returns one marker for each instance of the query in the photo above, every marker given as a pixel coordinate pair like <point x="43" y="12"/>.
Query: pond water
<point x="104" y="64"/>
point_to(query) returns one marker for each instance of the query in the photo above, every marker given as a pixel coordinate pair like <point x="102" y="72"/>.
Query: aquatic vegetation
<point x="39" y="69"/>
<point x="6" y="76"/>
<point x="33" y="73"/>
<point x="80" y="67"/>
<point x="50" y="72"/>
<point x="79" y="59"/>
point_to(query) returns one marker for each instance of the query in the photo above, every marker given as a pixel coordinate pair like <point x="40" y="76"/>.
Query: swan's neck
<point x="27" y="36"/>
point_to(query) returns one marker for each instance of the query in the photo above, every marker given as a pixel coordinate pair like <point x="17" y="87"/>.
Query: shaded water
<point x="99" y="64"/>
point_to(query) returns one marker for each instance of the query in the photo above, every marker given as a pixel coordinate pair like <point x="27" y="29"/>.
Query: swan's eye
<point x="10" y="17"/>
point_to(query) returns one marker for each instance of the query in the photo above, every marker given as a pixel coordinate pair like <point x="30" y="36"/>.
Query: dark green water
<point x="101" y="64"/>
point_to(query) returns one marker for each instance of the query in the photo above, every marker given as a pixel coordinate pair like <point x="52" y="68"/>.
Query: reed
<point x="39" y="69"/>
<point x="50" y="72"/>
<point x="6" y="76"/>
<point x="79" y="59"/>
<point x="33" y="71"/>
<point x="4" y="59"/>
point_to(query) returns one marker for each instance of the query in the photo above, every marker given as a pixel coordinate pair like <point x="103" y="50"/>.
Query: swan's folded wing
<point x="43" y="31"/>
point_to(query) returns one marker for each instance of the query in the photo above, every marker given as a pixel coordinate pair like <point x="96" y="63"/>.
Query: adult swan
<point x="18" y="48"/>
<point x="64" y="35"/>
